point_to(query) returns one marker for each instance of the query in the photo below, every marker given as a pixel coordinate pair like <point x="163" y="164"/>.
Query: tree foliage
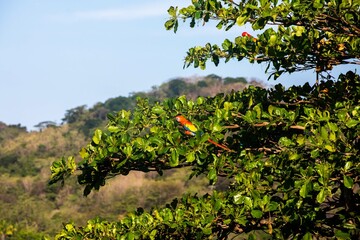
<point x="293" y="166"/>
<point x="296" y="35"/>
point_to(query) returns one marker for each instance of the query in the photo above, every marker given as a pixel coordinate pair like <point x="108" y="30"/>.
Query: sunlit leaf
<point x="348" y="181"/>
<point x="97" y="136"/>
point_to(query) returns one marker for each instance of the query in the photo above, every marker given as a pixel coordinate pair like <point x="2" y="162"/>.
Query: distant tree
<point x="8" y="159"/>
<point x="89" y="125"/>
<point x="17" y="126"/>
<point x="45" y="124"/>
<point x="99" y="112"/>
<point x="10" y="131"/>
<point x="177" y="87"/>
<point x="229" y="80"/>
<point x="202" y="83"/>
<point x="214" y="77"/>
<point x="118" y="103"/>
<point x="74" y="114"/>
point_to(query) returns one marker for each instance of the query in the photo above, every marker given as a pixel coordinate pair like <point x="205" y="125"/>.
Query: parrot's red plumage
<point x="246" y="34"/>
<point x="191" y="129"/>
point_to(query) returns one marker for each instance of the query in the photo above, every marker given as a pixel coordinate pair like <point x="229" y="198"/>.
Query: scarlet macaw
<point x="190" y="129"/>
<point x="246" y="34"/>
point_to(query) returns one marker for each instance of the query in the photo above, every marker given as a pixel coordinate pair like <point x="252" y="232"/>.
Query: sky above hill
<point x="57" y="55"/>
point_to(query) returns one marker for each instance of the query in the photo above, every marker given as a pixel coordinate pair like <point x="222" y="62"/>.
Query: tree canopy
<point x="294" y="162"/>
<point x="295" y="35"/>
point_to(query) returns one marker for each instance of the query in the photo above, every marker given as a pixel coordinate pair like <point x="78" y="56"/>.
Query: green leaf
<point x="256" y="213"/>
<point x="153" y="234"/>
<point x="212" y="175"/>
<point x="271" y="109"/>
<point x="215" y="59"/>
<point x="272" y="40"/>
<point x="228" y="106"/>
<point x="176" y="25"/>
<point x="248" y="202"/>
<point x="157" y="110"/>
<point x="347" y="166"/>
<point x="217" y="205"/>
<point x="241" y="20"/>
<point x="342" y="235"/>
<point x="333" y="127"/>
<point x="216" y="128"/>
<point x="200" y="100"/>
<point x="351" y="123"/>
<point x="318" y="4"/>
<point x="169" y="24"/>
<point x="307" y="236"/>
<point x="324" y="133"/>
<point x="258" y="110"/>
<point x="306" y="188"/>
<point x="251" y="101"/>
<point x="97" y="136"/>
<point x="324" y="170"/>
<point x="321" y="195"/>
<point x="83" y="153"/>
<point x="174" y="159"/>
<point x="315" y="153"/>
<point x="342" y="115"/>
<point x="286" y="142"/>
<point x="128" y="150"/>
<point x="198" y="14"/>
<point x="238" y="198"/>
<point x="172" y="11"/>
<point x="300" y="140"/>
<point x="252" y="236"/>
<point x="69" y="227"/>
<point x="190" y="157"/>
<point x="348" y="181"/>
<point x="330" y="148"/>
<point x="207" y="231"/>
<point x="350" y="225"/>
<point x="294" y="156"/>
<point x="130" y="236"/>
<point x="299" y="30"/>
<point x="113" y="129"/>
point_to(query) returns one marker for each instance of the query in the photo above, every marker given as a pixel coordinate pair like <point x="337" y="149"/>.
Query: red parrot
<point x="246" y="34"/>
<point x="190" y="129"/>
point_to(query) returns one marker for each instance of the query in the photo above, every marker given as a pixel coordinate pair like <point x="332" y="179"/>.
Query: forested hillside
<point x="87" y="119"/>
<point x="31" y="209"/>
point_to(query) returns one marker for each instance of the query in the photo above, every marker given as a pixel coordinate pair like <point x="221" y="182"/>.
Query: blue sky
<point x="57" y="55"/>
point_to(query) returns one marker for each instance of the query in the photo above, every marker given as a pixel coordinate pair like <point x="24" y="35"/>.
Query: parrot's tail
<point x="220" y="146"/>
